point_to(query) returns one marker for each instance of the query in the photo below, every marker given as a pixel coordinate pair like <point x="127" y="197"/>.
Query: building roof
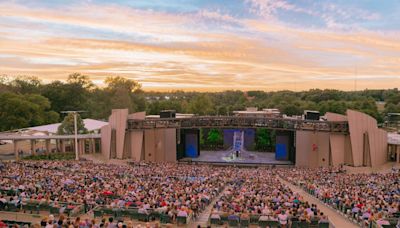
<point x="90" y="125"/>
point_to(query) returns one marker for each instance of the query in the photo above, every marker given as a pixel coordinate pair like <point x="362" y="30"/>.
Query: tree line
<point x="27" y="101"/>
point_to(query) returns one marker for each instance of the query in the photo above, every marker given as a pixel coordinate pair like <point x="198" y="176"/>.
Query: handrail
<point x="239" y="122"/>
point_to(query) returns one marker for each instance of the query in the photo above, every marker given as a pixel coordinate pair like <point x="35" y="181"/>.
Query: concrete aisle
<point x="202" y="220"/>
<point x="335" y="217"/>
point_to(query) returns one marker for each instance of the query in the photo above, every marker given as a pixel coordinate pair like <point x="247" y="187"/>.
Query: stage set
<point x="245" y="157"/>
<point x="352" y="139"/>
<point x="238" y="142"/>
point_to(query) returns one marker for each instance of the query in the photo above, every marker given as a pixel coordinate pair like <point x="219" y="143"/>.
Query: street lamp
<point x="75" y="131"/>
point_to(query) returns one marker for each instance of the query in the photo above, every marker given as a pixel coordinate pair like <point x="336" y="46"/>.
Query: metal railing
<point x="240" y="122"/>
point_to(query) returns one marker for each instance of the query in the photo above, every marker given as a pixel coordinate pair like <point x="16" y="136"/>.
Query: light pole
<point x="75" y="113"/>
<point x="76" y="137"/>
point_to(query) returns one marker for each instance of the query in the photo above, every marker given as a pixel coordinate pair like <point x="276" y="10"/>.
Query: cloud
<point x="345" y="18"/>
<point x="201" y="50"/>
<point x="268" y="8"/>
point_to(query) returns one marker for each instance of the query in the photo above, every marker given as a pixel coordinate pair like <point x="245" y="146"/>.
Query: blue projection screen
<point x="191" y="145"/>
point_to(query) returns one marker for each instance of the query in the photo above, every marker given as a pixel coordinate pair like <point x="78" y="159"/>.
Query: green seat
<point x="389" y="226"/>
<point x="54" y="210"/>
<point x="393" y="221"/>
<point x="224" y="218"/>
<point x="125" y="213"/>
<point x="12" y="207"/>
<point x="67" y="211"/>
<point x="181" y="220"/>
<point x="154" y="215"/>
<point x="97" y="213"/>
<point x="244" y="222"/>
<point x="118" y="213"/>
<point x="215" y="221"/>
<point x="44" y="207"/>
<point x="272" y="224"/>
<point x="233" y="222"/>
<point x="143" y="217"/>
<point x="262" y="224"/>
<point x="11" y="222"/>
<point x="108" y="211"/>
<point x="314" y="223"/>
<point x="164" y="218"/>
<point x="323" y="225"/>
<point x="254" y="219"/>
<point x="29" y="207"/>
<point x="304" y="224"/>
<point x="295" y="224"/>
<point x="11" y="192"/>
<point x="133" y="214"/>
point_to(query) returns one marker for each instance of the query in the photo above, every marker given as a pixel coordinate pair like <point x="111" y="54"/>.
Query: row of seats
<point x="255" y="220"/>
<point x="37" y="208"/>
<point x="133" y="213"/>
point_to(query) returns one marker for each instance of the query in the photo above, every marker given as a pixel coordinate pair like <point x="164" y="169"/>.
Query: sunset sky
<point x="206" y="45"/>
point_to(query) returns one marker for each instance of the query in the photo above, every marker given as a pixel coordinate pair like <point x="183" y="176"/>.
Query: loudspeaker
<point x="311" y="115"/>
<point x="168" y="114"/>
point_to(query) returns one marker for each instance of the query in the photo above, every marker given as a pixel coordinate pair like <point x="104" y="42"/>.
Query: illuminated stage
<point x="246" y="157"/>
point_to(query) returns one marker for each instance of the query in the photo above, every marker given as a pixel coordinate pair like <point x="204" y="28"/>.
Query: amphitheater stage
<point x="246" y="157"/>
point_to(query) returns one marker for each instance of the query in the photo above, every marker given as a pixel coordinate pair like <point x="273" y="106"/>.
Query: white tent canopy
<point x="90" y="125"/>
<point x="394" y="138"/>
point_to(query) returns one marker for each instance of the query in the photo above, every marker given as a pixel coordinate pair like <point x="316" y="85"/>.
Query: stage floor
<point x="246" y="157"/>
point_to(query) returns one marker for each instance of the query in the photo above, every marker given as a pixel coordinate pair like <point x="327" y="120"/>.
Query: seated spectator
<point x="283" y="218"/>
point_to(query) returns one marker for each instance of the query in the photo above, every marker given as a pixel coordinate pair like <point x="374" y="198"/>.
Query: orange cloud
<point x="159" y="50"/>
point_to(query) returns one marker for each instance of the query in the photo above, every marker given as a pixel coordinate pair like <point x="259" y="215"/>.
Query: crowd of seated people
<point x="172" y="190"/>
<point x="167" y="188"/>
<point x="259" y="194"/>
<point x="365" y="198"/>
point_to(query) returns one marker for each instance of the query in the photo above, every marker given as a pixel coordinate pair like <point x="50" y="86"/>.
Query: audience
<point x="260" y="192"/>
<point x="176" y="190"/>
<point x="367" y="197"/>
<point x="183" y="190"/>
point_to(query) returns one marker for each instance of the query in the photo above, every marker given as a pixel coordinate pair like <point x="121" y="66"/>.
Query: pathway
<point x="202" y="220"/>
<point x="335" y="217"/>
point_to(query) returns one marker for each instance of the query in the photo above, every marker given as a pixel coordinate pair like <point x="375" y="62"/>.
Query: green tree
<point x="43" y="114"/>
<point x="291" y="109"/>
<point x="4" y="87"/>
<point x="122" y="92"/>
<point x="201" y="105"/>
<point x="73" y="95"/>
<point x="119" y="82"/>
<point x="392" y="108"/>
<point x="26" y="85"/>
<point x="67" y="127"/>
<point x="20" y="111"/>
<point x="81" y="80"/>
